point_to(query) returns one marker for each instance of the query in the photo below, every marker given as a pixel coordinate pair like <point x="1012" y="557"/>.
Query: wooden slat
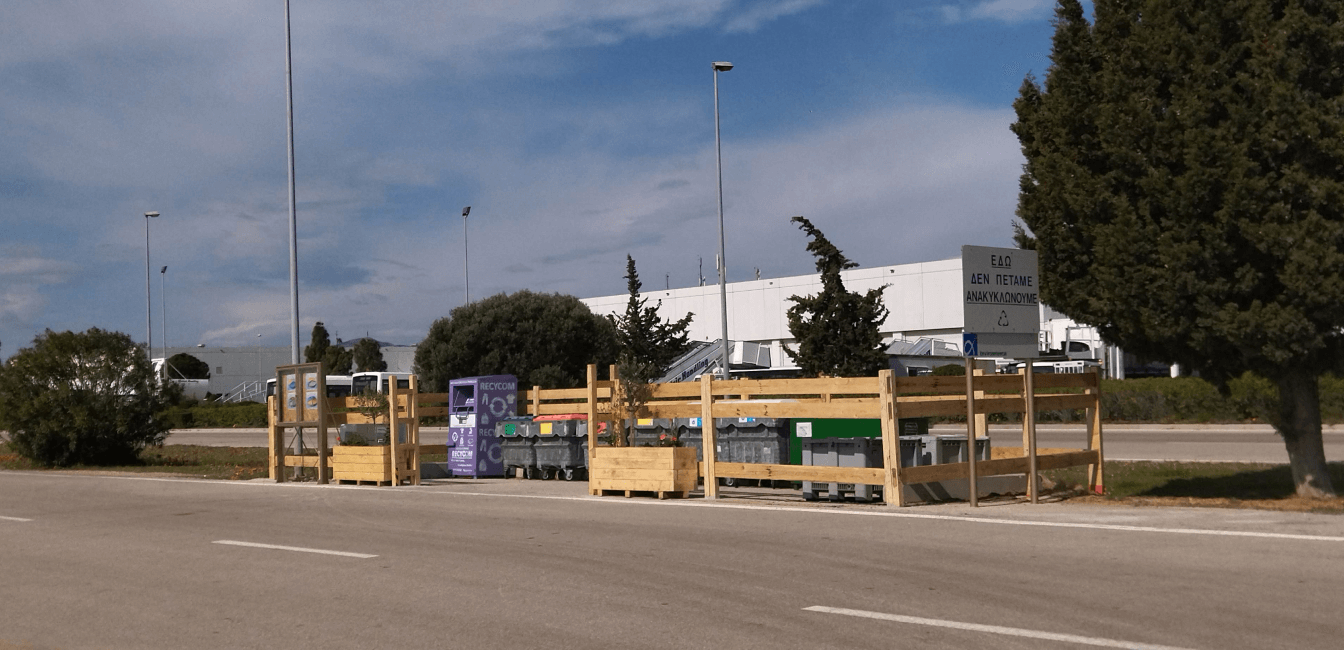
<point x="812" y="386"/>
<point x="1016" y="452"/>
<point x="607" y="474"/>
<point x="996" y="467"/>
<point x="680" y="389"/>
<point x="866" y="475"/>
<point x="301" y="461"/>
<point x="643" y="485"/>
<point x="433" y="449"/>
<point x="867" y="409"/>
<point x="639" y="463"/>
<point x="1068" y="459"/>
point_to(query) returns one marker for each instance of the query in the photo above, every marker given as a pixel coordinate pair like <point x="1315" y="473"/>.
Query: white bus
<point x="337" y="386"/>
<point x="378" y="381"/>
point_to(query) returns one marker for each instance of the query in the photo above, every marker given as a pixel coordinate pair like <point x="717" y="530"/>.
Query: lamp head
<point x="163" y="270"/>
<point x="466" y="211"/>
<point x="722" y="66"/>
<point x="151" y="214"/>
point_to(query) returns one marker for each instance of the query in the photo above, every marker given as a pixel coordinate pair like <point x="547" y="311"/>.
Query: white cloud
<point x="764" y="12"/>
<point x="1008" y="11"/>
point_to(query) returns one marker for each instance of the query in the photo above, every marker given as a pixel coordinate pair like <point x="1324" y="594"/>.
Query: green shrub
<point x="81" y="398"/>
<point x="211" y="415"/>
<point x="1165" y="399"/>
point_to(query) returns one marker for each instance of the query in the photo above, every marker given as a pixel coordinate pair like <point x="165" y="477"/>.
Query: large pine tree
<point x="837" y="331"/>
<point x="1184" y="173"/>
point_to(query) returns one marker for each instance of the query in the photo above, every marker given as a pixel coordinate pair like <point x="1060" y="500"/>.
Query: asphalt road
<point x="1213" y="442"/>
<point x="116" y="562"/>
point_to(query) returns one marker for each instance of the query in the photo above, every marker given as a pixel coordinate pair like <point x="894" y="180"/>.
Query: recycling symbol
<point x="1003" y="319"/>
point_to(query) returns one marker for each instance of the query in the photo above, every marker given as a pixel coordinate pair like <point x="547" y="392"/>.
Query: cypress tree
<point x="1183" y="183"/>
<point x="837" y="331"/>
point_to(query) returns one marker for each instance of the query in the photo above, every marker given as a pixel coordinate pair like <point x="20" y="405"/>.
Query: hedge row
<point x="1190" y="399"/>
<point x="209" y="415"/>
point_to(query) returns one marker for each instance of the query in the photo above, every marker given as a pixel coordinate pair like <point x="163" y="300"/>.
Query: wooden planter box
<point x="668" y="471"/>
<point x="364" y="464"/>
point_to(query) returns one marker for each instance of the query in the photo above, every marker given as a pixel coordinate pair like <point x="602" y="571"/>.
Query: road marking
<point x="913" y="515"/>
<point x="993" y="629"/>
<point x="15" y="519"/>
<point x="300" y="549"/>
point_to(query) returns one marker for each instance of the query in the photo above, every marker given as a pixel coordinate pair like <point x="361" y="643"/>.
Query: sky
<point x="579" y="131"/>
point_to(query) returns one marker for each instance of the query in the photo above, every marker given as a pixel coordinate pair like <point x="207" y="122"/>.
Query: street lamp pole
<point x="466" y="271"/>
<point x="163" y="305"/>
<point x="721" y="66"/>
<point x="293" y="216"/>
<point x="149" y="329"/>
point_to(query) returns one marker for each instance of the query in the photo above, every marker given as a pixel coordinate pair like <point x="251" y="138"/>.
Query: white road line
<point x="15" y="519"/>
<point x="914" y="515"/>
<point x="300" y="549"/>
<point x="993" y="629"/>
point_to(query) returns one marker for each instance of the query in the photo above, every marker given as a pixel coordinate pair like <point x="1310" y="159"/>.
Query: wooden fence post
<point x="893" y="493"/>
<point x="592" y="414"/>
<point x="323" y="450"/>
<point x="392" y="422"/>
<point x="972" y="490"/>
<point x="707" y="435"/>
<point x="1095" y="473"/>
<point x="1029" y="425"/>
<point x="413" y="424"/>
<point x="277" y="439"/>
<point x="536" y="401"/>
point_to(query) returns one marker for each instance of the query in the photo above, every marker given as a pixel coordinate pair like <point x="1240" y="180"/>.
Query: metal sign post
<point x="1001" y="319"/>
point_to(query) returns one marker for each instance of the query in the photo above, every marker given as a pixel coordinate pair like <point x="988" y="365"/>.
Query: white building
<point x="924" y="300"/>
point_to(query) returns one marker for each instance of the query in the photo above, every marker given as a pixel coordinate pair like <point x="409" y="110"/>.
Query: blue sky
<point x="579" y="131"/>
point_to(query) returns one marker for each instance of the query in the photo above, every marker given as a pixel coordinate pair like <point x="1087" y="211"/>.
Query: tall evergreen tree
<point x="369" y="356"/>
<point x="318" y="343"/>
<point x="1183" y="184"/>
<point x="335" y="359"/>
<point x="837" y="330"/>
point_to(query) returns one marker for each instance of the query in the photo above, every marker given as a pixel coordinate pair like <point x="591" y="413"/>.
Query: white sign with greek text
<point x="1000" y="290"/>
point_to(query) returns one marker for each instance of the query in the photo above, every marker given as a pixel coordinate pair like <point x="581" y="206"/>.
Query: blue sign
<point x="970" y="345"/>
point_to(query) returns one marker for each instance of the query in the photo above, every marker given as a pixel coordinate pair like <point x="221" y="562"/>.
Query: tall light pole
<point x="466" y="272"/>
<point x="721" y="66"/>
<point x="163" y="304"/>
<point x="149" y="330"/>
<point x="293" y="217"/>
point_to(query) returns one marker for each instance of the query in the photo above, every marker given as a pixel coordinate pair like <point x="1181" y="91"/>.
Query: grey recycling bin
<point x="561" y="447"/>
<point x="952" y="449"/>
<point x="517" y="447"/>
<point x="852" y="452"/>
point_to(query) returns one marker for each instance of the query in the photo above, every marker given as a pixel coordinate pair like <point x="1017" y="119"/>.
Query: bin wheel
<point x="569" y="474"/>
<point x="529" y="473"/>
<point x="545" y="473"/>
<point x="729" y="482"/>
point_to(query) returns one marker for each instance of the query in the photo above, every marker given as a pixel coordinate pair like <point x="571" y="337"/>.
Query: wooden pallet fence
<point x="403" y="407"/>
<point x="886" y="398"/>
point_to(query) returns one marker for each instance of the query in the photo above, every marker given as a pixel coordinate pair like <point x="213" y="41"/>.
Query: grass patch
<point x="1232" y="485"/>
<point x="228" y="463"/>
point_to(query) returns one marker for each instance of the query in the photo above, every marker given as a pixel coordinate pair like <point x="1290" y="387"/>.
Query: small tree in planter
<point x="648" y="343"/>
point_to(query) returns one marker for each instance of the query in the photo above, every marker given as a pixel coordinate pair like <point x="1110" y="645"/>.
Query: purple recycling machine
<point x="474" y="405"/>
